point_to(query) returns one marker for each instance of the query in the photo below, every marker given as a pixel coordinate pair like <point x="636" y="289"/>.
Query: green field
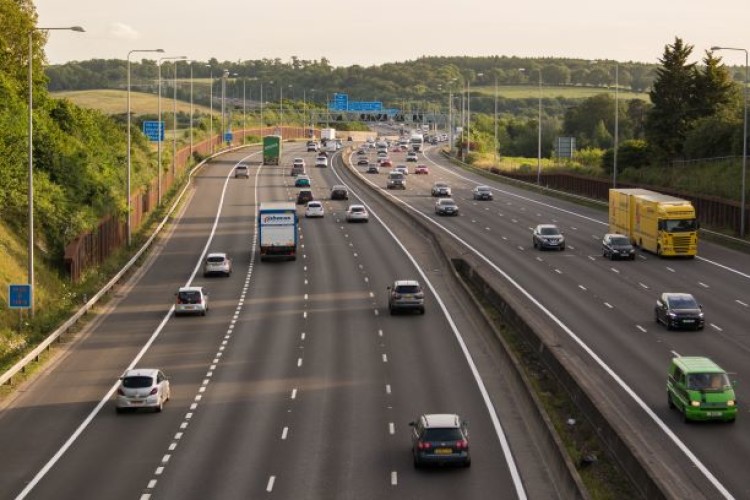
<point x="531" y="92"/>
<point x="114" y="102"/>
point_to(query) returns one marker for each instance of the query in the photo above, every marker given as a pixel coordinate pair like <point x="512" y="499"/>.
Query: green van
<point x="700" y="389"/>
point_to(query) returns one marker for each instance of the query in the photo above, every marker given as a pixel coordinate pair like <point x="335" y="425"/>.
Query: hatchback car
<point x="321" y="161"/>
<point x="679" y="310"/>
<point x="386" y="163"/>
<point x="402" y="169"/>
<point x="142" y="388"/>
<point x="373" y="169"/>
<point x="191" y="300"/>
<point x="482" y="193"/>
<point x="357" y="213"/>
<point x="304" y="195"/>
<point x="302" y="181"/>
<point x="421" y="169"/>
<point x="617" y="246"/>
<point x="339" y="192"/>
<point x="362" y="160"/>
<point x="314" y="209"/>
<point x="440" y="439"/>
<point x="412" y="156"/>
<point x="382" y="154"/>
<point x="446" y="206"/>
<point x="548" y="236"/>
<point x="312" y="146"/>
<point x="217" y="263"/>
<point x="441" y="189"/>
<point x="405" y="295"/>
<point x="298" y="162"/>
<point x="241" y="170"/>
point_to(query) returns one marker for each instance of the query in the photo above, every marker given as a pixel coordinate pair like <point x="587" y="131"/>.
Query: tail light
<point x="462" y="445"/>
<point x="120" y="392"/>
<point x="153" y="391"/>
<point x="179" y="300"/>
<point x="422" y="445"/>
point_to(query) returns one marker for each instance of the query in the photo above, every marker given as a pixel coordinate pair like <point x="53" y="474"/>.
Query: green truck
<point x="271" y="149"/>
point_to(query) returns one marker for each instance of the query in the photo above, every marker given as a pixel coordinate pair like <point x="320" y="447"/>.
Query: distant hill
<point x="113" y="102"/>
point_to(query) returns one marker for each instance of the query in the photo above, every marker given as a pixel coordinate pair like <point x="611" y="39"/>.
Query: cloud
<point x="124" y="31"/>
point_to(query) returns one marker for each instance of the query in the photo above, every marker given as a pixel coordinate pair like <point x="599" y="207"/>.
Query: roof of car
<point x="190" y="289"/>
<point x="140" y="372"/>
<point x="406" y="283"/>
<point x="482" y="188"/>
<point x="352" y="207"/>
<point x="697" y="364"/>
<point x="544" y="226"/>
<point x="338" y="186"/>
<point x="442" y="420"/>
<point x="216" y="254"/>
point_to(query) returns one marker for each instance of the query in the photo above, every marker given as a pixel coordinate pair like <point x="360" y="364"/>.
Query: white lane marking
<point x="188" y="415"/>
<point x="591" y="258"/>
<point x="703" y="285"/>
<point x="598" y="360"/>
<point x="392" y="428"/>
<point x="299" y="362"/>
<point x="165" y="458"/>
<point x="172" y="446"/>
<point x="193" y="406"/>
<point x="385" y="358"/>
<point x="294" y="394"/>
<point x="394" y="478"/>
<point x="151" y="484"/>
<point x="269" y="486"/>
<point x="159" y="470"/>
<point x="145" y="496"/>
<point x="198" y="397"/>
<point x="615" y="270"/>
<point x="676" y="354"/>
<point x="304" y="315"/>
<point x="284" y="433"/>
<point x="641" y="328"/>
<point x="743" y="304"/>
<point x="306" y="296"/>
<point x="670" y="269"/>
<point x="380" y="333"/>
<point x="609" y="305"/>
<point x="372" y="295"/>
<point x="643" y="285"/>
<point x="716" y="327"/>
<point x="183" y="425"/>
<point x="582" y="287"/>
<point x="302" y="336"/>
<point x="558" y="271"/>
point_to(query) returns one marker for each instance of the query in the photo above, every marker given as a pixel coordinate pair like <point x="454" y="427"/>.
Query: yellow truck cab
<point x="658" y="223"/>
<point x="700" y="389"/>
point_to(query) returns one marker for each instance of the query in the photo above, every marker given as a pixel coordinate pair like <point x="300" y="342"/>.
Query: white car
<point x="298" y="162"/>
<point x="314" y="209"/>
<point x="412" y="156"/>
<point x="357" y="213"/>
<point x="321" y="161"/>
<point x="241" y="170"/>
<point x="191" y="300"/>
<point x="402" y="169"/>
<point x="217" y="263"/>
<point x="142" y="388"/>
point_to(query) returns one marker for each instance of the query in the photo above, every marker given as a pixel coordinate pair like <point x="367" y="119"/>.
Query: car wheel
<point x="417" y="463"/>
<point x="203" y="312"/>
<point x="119" y="410"/>
<point x="392" y="311"/>
<point x="562" y="248"/>
<point x="656" y="317"/>
<point x="685" y="417"/>
<point x="421" y="311"/>
<point x="160" y="406"/>
<point x="533" y="242"/>
<point x="670" y="403"/>
<point x="467" y="463"/>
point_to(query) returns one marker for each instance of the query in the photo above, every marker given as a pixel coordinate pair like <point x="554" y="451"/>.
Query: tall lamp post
<point x="744" y="141"/>
<point x="468" y="115"/>
<point x="211" y="107"/>
<point x="224" y="76"/>
<point x="127" y="189"/>
<point x="158" y="166"/>
<point x="191" y="108"/>
<point x="31" y="151"/>
<point x="496" y="120"/>
<point x="174" y="119"/>
<point x="539" y="132"/>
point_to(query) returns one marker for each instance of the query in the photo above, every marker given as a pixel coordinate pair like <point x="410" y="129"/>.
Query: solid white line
<point x="271" y="480"/>
<point x="743" y="304"/>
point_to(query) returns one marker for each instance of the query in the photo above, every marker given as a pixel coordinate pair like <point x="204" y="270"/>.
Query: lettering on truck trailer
<point x="277" y="220"/>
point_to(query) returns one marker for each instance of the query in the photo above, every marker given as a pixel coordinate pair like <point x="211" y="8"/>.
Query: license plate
<point x="136" y="402"/>
<point x="688" y="321"/>
<point x="443" y="451"/>
<point x="408" y="296"/>
<point x="713" y="413"/>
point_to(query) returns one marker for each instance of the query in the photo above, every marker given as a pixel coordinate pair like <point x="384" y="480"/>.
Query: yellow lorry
<point x="656" y="222"/>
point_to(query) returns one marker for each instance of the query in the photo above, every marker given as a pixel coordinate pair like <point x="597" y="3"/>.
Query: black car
<point x="548" y="236"/>
<point x="339" y="192"/>
<point x="304" y="196"/>
<point x="440" y="439"/>
<point x="679" y="310"/>
<point x="362" y="161"/>
<point x="617" y="246"/>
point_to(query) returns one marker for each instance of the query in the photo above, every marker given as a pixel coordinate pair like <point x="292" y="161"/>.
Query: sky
<point x="376" y="32"/>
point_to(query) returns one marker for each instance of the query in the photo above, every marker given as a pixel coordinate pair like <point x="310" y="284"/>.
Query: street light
<point x="127" y="191"/>
<point x="191" y="108"/>
<point x="158" y="169"/>
<point x="31" y="151"/>
<point x="539" y="134"/>
<point x="744" y="142"/>
<point x="211" y="104"/>
<point x="224" y="76"/>
<point x="495" y="155"/>
<point x="174" y="120"/>
<point x="468" y="115"/>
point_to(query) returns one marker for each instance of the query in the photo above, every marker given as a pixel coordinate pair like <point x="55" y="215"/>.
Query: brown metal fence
<point x="92" y="248"/>
<point x="712" y="212"/>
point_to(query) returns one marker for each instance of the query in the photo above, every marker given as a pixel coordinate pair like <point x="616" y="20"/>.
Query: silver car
<point x="357" y="213"/>
<point x="191" y="300"/>
<point x="482" y="193"/>
<point x="142" y="388"/>
<point x="241" y="170"/>
<point x="548" y="236"/>
<point x="217" y="263"/>
<point x="441" y="189"/>
<point x="405" y="295"/>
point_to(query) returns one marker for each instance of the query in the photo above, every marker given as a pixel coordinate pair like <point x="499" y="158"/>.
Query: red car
<point x="386" y="163"/>
<point x="421" y="169"/>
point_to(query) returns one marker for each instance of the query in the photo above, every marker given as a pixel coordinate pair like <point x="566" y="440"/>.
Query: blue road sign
<point x="154" y="130"/>
<point x="228" y="136"/>
<point x="340" y="102"/>
<point x="365" y="106"/>
<point x="19" y="296"/>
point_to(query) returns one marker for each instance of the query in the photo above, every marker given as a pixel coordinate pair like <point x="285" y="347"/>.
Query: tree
<point x="714" y="88"/>
<point x="630" y="154"/>
<point x="673" y="97"/>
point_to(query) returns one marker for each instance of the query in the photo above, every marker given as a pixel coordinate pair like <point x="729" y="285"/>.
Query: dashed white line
<point x="299" y="362"/>
<point x="159" y="471"/>
<point x="385" y="358"/>
<point x="703" y="285"/>
<point x="145" y="496"/>
<point x="172" y="446"/>
<point x="643" y="285"/>
<point x="188" y="415"/>
<point x="165" y="458"/>
<point x="392" y="428"/>
<point x="284" y="433"/>
<point x="387" y="388"/>
<point x="394" y="478"/>
<point x="269" y="486"/>
<point x="670" y="269"/>
<point x="302" y="336"/>
<point x="193" y="406"/>
<point x="294" y="394"/>
<point x="716" y="327"/>
<point x="615" y="270"/>
<point x="380" y="332"/>
<point x="183" y="425"/>
<point x="609" y="305"/>
<point x="641" y="328"/>
<point x="743" y="304"/>
<point x="582" y="287"/>
<point x="558" y="271"/>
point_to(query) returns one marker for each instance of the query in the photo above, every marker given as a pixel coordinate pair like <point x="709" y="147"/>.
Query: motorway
<point x="296" y="384"/>
<point x="603" y="312"/>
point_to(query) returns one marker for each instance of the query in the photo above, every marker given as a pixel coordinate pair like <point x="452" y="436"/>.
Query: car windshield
<point x="408" y="289"/>
<point x="314" y="204"/>
<point x="440" y="186"/>
<point x="620" y="240"/>
<point x="483" y="188"/>
<point x="190" y="297"/>
<point x="549" y="231"/>
<point x="215" y="259"/>
<point x="677" y="226"/>
<point x="137" y="382"/>
<point x="682" y="303"/>
<point x="442" y="434"/>
<point x="357" y="209"/>
<point x="708" y="381"/>
<point x="447" y="202"/>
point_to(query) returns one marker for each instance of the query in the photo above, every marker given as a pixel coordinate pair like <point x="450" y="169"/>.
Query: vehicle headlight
<point x="700" y="315"/>
<point x="730" y="403"/>
<point x="672" y="315"/>
<point x="695" y="404"/>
